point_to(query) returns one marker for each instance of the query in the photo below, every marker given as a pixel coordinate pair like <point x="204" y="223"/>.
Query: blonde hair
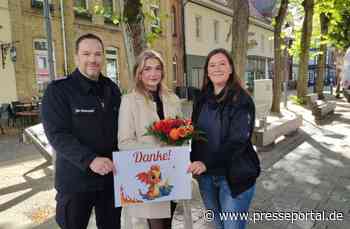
<point x="140" y="64"/>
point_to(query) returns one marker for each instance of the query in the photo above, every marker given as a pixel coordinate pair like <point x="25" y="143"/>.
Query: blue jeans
<point x="216" y="195"/>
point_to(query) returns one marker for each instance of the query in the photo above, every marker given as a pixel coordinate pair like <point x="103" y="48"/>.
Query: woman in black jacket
<point x="226" y="162"/>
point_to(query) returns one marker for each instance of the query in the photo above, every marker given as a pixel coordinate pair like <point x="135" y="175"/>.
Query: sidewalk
<point x="309" y="170"/>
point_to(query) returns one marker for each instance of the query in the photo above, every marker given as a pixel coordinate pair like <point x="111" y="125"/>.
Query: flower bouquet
<point x="172" y="131"/>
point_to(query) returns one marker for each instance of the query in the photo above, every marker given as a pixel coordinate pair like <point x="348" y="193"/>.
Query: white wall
<point x="264" y="39"/>
<point x="206" y="43"/>
<point x="7" y="76"/>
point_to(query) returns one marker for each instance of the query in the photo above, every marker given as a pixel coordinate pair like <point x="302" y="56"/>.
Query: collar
<point x="85" y="83"/>
<point x="163" y="96"/>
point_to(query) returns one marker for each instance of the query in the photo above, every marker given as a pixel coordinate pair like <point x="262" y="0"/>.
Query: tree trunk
<point x="132" y="31"/>
<point x="321" y="65"/>
<point x="240" y="25"/>
<point x="305" y="45"/>
<point x="279" y="58"/>
<point x="339" y="61"/>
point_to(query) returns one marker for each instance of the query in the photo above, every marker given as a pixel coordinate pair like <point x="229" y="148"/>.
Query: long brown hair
<point x="138" y="68"/>
<point x="233" y="83"/>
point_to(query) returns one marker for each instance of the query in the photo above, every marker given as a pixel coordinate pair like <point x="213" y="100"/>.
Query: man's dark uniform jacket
<point x="80" y="118"/>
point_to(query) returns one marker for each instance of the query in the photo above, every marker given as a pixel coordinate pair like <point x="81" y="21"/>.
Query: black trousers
<point x="73" y="210"/>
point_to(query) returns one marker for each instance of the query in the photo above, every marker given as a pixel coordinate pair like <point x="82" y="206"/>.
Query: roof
<point x="254" y="12"/>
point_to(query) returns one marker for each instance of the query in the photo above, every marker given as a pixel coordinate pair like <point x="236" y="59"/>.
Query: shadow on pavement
<point x="34" y="186"/>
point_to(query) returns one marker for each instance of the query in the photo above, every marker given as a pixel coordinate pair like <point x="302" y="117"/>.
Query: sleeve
<point x="56" y="118"/>
<point x="126" y="125"/>
<point x="240" y="131"/>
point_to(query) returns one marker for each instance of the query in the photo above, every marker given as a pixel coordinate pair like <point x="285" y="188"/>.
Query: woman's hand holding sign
<point x="197" y="168"/>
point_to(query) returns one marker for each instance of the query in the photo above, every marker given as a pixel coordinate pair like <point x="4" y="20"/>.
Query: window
<point x="41" y="59"/>
<point x="271" y="41"/>
<point x="155" y="24"/>
<point x="112" y="64"/>
<point x="262" y="41"/>
<point x="81" y="4"/>
<point x="174" y="69"/>
<point x="173" y="22"/>
<point x="198" y="24"/>
<point x="228" y="35"/>
<point x="108" y="4"/>
<point x="40" y="3"/>
<point x="216" y="31"/>
<point x="224" y="2"/>
<point x="196" y="77"/>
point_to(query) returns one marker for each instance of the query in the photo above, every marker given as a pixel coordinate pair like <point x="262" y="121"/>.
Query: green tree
<point x="131" y="17"/>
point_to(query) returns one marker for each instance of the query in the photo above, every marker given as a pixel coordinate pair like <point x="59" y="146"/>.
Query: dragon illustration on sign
<point x="156" y="186"/>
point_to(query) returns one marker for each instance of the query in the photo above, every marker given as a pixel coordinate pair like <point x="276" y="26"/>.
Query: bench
<point x="284" y="126"/>
<point x="323" y="109"/>
<point x="346" y="93"/>
<point x="320" y="108"/>
<point x="311" y="100"/>
<point x="36" y="135"/>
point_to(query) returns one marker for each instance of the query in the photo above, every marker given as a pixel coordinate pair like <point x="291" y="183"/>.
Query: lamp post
<point x="49" y="38"/>
<point x="289" y="31"/>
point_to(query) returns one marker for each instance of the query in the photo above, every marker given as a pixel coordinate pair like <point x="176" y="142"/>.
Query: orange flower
<point x="182" y="132"/>
<point x="171" y="131"/>
<point x="174" y="134"/>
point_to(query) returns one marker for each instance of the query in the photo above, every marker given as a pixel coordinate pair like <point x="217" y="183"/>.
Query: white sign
<point x="262" y="97"/>
<point x="152" y="175"/>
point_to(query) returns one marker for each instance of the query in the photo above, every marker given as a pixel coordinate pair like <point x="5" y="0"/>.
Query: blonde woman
<point x="149" y="101"/>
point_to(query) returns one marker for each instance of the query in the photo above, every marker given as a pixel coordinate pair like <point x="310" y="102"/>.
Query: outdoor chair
<point x="4" y="116"/>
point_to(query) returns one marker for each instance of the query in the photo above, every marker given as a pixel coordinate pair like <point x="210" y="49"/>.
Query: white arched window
<point x="41" y="60"/>
<point x="174" y="69"/>
<point x="112" y="65"/>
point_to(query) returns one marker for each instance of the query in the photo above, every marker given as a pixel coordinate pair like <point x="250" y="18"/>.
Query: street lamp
<point x="288" y="29"/>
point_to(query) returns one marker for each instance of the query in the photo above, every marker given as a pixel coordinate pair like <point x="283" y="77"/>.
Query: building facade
<point x="208" y="26"/>
<point x="260" y="54"/>
<point x="7" y="56"/>
<point x="177" y="36"/>
<point x="330" y="71"/>
<point x="32" y="72"/>
<point x="168" y="42"/>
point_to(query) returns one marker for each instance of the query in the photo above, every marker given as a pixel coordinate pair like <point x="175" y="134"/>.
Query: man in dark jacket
<point x="80" y="116"/>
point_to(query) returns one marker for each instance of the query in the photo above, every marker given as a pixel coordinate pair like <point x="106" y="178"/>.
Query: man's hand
<point x="197" y="168"/>
<point x="102" y="166"/>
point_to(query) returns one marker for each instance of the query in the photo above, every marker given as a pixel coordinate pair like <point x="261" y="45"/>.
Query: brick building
<point x="31" y="67"/>
<point x="7" y="47"/>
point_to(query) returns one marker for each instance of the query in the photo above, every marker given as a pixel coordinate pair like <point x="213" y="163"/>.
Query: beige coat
<point x="135" y="114"/>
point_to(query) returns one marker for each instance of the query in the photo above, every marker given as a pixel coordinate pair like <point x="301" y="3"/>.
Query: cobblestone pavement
<point x="306" y="171"/>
